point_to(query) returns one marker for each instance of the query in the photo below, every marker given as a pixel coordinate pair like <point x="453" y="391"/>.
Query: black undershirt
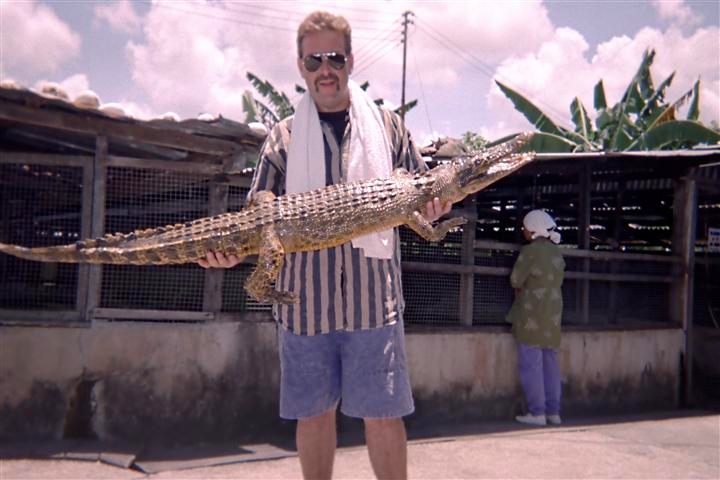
<point x="338" y="121"/>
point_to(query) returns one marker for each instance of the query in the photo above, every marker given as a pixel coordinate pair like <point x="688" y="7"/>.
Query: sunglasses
<point x="335" y="60"/>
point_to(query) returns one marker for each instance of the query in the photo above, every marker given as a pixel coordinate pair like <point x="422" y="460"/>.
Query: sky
<point x="192" y="56"/>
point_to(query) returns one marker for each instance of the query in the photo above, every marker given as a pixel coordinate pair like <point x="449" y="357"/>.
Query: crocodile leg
<point x="270" y="259"/>
<point x="433" y="234"/>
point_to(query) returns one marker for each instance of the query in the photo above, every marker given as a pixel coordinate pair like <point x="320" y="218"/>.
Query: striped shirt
<point x="339" y="288"/>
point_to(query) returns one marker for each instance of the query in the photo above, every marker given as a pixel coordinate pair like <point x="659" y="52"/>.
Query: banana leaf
<point x="687" y="132"/>
<point x="408" y="106"/>
<point x="633" y="99"/>
<point x="501" y="140"/>
<point x="669" y="113"/>
<point x="583" y="126"/>
<point x="550" y="143"/>
<point x="534" y="115"/>
<point x="655" y="101"/>
<point x="621" y="136"/>
<point x="541" y="143"/>
<point x="600" y="103"/>
<point x="694" y="109"/>
<point x="250" y="108"/>
<point x="282" y="104"/>
<point x="643" y="77"/>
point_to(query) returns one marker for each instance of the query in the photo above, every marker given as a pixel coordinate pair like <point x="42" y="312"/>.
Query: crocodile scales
<point x="323" y="218"/>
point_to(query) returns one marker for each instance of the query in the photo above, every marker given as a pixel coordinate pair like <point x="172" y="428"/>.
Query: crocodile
<point x="272" y="226"/>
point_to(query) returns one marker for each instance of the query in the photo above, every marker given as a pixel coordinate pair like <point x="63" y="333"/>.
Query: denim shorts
<point x="364" y="368"/>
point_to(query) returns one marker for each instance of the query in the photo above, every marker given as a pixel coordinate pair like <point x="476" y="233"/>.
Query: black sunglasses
<point x="335" y="60"/>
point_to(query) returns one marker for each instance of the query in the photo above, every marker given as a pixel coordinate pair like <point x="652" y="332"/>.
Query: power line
<point x="364" y="58"/>
<point x="483" y="67"/>
<point x="299" y="15"/>
<point x="381" y="54"/>
<point x="216" y="16"/>
<point x="422" y="90"/>
<point x="388" y="33"/>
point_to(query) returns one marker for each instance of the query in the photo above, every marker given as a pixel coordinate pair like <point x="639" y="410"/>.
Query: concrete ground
<point x="677" y="445"/>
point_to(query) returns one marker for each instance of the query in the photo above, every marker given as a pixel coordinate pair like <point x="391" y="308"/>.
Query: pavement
<point x="683" y="444"/>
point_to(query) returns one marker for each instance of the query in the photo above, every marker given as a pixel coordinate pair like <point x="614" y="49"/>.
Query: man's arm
<point x="269" y="175"/>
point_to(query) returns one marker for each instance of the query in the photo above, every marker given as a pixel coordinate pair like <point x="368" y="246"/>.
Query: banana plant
<point x="277" y="108"/>
<point x="641" y="120"/>
<point x="279" y="105"/>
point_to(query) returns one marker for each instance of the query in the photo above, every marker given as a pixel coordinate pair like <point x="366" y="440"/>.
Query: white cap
<point x="540" y="224"/>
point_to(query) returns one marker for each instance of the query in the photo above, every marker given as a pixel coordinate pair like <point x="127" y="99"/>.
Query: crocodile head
<point x="478" y="171"/>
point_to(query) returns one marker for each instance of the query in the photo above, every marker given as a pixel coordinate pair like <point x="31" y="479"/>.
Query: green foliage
<point x="641" y="120"/>
<point x="278" y="104"/>
<point x="474" y="141"/>
<point x="278" y="108"/>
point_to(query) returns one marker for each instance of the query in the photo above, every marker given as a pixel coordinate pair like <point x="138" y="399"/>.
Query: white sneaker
<point x="538" y="420"/>
<point x="554" y="420"/>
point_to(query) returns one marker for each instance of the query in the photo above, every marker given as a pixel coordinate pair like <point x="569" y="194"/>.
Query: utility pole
<point x="406" y="22"/>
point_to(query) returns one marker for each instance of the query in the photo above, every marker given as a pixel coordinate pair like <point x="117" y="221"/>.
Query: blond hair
<point x="320" y="21"/>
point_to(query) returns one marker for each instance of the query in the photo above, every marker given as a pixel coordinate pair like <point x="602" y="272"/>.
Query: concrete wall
<point x="203" y="382"/>
<point x="473" y="374"/>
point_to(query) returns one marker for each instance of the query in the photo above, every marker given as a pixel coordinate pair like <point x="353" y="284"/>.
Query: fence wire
<point x="43" y="206"/>
<point x="144" y="198"/>
<point x="40" y="206"/>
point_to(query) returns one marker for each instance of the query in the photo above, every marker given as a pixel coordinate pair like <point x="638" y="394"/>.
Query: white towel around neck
<point x="369" y="156"/>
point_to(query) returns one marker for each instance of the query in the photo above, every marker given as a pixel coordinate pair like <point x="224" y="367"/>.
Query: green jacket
<point x="536" y="313"/>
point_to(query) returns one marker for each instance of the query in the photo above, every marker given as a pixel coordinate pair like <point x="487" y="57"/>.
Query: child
<point x="535" y="315"/>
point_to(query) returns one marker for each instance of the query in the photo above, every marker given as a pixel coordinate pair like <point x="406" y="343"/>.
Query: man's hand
<point x="434" y="210"/>
<point x="219" y="260"/>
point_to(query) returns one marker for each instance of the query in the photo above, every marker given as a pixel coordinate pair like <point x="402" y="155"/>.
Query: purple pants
<point x="540" y="379"/>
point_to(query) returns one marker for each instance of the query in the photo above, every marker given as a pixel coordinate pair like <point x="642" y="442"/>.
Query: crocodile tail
<point x="62" y="254"/>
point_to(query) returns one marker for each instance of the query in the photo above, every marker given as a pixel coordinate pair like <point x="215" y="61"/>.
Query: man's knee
<point x="383" y="423"/>
<point x="323" y="419"/>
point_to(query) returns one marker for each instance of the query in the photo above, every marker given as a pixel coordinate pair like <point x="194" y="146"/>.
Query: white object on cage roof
<point x="258" y="127"/>
<point x="172" y="116"/>
<point x="114" y="110"/>
<point x="11" y="84"/>
<point x="87" y="99"/>
<point x="54" y="90"/>
<point x="207" y="117"/>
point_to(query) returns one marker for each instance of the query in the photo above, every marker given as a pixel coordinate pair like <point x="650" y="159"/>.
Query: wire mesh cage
<point x="144" y="198"/>
<point x="416" y="249"/>
<point x="492" y="298"/>
<point x="40" y="206"/>
<point x="431" y="299"/>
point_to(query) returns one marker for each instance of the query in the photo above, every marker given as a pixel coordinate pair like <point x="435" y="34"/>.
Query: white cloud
<point x="120" y="16"/>
<point x="193" y="62"/>
<point x="560" y="70"/>
<point x="33" y="39"/>
<point x="677" y="12"/>
<point x="193" y="57"/>
<point x="450" y="41"/>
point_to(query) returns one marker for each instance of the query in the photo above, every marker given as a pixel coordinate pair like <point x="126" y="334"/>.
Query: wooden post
<point x="612" y="316"/>
<point x="93" y="207"/>
<point x="584" y="210"/>
<point x="684" y="236"/>
<point x="212" y="287"/>
<point x="467" y="280"/>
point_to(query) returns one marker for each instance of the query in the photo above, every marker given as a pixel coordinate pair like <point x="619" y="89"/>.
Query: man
<point x="344" y="338"/>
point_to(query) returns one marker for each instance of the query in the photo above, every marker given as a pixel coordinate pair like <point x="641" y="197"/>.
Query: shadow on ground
<point x="156" y="458"/>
